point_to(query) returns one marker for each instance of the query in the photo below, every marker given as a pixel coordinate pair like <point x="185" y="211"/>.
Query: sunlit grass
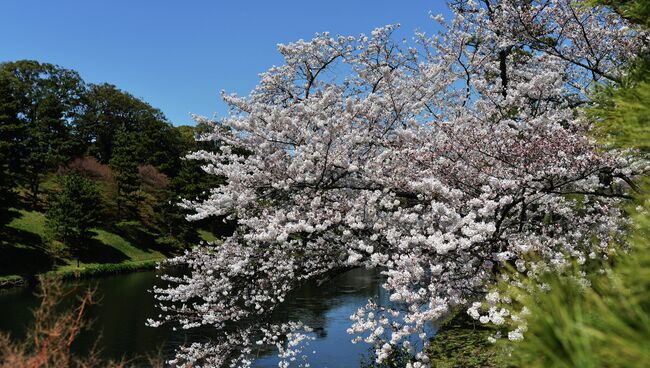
<point x="27" y="250"/>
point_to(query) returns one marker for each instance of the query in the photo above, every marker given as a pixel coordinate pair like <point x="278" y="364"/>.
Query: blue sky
<point x="177" y="55"/>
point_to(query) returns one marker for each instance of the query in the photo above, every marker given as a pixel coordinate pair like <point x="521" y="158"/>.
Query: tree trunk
<point x="34" y="189"/>
<point x="503" y="68"/>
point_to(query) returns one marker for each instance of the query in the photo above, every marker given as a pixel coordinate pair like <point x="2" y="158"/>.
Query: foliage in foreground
<point x="637" y="11"/>
<point x="606" y="324"/>
<point x="49" y="341"/>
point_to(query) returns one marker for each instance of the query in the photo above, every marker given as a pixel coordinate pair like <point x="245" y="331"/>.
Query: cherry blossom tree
<point x="439" y="162"/>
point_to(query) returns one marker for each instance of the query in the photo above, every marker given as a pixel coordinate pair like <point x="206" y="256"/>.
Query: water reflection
<point x="126" y="305"/>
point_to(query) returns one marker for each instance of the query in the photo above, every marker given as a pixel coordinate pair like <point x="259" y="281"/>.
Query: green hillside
<point x="26" y="250"/>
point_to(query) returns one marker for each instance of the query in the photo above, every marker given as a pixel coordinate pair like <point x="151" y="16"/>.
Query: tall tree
<point x="11" y="131"/>
<point x="47" y="100"/>
<point x="109" y="109"/>
<point x="124" y="163"/>
<point x="73" y="211"/>
<point x="189" y="183"/>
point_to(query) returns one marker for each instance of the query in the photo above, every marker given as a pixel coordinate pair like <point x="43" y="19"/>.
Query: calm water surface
<point x="126" y="305"/>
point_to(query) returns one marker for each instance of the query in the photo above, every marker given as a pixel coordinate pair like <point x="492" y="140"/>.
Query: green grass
<point x="207" y="236"/>
<point x="89" y="270"/>
<point x="26" y="251"/>
<point x="134" y="253"/>
<point x="462" y="342"/>
<point x="30" y="221"/>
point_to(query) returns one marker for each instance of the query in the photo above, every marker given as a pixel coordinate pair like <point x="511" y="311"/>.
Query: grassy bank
<point x="26" y="251"/>
<point x="462" y="342"/>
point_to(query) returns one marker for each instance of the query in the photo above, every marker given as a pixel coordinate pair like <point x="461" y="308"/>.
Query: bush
<point x="88" y="166"/>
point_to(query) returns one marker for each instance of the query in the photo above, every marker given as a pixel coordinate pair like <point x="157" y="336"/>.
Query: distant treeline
<point x="67" y="143"/>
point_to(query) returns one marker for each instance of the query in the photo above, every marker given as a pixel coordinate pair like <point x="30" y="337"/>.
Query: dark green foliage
<point x="124" y="163"/>
<point x="11" y="130"/>
<point x="622" y="112"/>
<point x="637" y="11"/>
<point x="188" y="184"/>
<point x="74" y="211"/>
<point x="44" y="101"/>
<point x="162" y="146"/>
<point x="191" y="183"/>
<point x="109" y="110"/>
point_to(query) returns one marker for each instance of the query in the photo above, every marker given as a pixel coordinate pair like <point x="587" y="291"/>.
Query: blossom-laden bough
<point x="438" y="163"/>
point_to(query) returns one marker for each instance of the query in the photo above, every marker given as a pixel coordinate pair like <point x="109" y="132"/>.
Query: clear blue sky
<point x="178" y="55"/>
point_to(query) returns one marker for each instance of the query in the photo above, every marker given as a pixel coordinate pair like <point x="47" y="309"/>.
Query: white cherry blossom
<point x="438" y="162"/>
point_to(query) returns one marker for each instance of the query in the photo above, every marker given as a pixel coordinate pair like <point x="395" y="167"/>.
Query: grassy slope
<point x="24" y="250"/>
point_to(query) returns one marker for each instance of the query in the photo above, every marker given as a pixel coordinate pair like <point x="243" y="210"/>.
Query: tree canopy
<point x="52" y="124"/>
<point x="45" y="100"/>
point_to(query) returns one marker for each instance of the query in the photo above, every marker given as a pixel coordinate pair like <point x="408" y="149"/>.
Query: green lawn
<point x="25" y="250"/>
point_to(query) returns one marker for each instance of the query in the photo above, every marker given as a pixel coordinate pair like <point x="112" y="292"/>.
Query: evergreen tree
<point x="109" y="109"/>
<point x="190" y="183"/>
<point x="11" y="130"/>
<point x="74" y="211"/>
<point x="124" y="164"/>
<point x="46" y="99"/>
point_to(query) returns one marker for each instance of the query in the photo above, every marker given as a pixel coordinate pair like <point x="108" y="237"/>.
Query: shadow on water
<point x="126" y="304"/>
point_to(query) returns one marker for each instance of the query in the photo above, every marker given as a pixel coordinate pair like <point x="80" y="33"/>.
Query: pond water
<point x="126" y="304"/>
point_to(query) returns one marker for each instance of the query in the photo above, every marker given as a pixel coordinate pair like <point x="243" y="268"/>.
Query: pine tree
<point x="45" y="99"/>
<point x="74" y="211"/>
<point x="124" y="164"/>
<point x="11" y="130"/>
